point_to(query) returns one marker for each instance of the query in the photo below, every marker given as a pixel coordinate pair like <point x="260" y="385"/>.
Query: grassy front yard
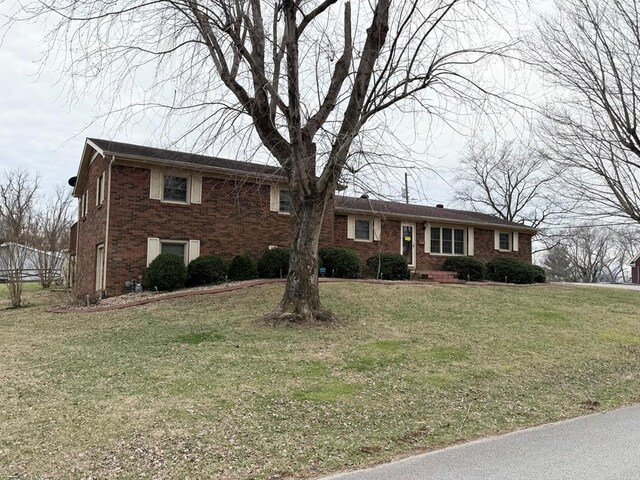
<point x="194" y="389"/>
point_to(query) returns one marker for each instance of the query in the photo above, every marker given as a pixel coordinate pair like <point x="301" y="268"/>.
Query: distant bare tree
<point x="626" y="245"/>
<point x="304" y="76"/>
<point x="512" y="181"/>
<point x="590" y="49"/>
<point x="593" y="253"/>
<point x="18" y="190"/>
<point x="53" y="219"/>
<point x="509" y="180"/>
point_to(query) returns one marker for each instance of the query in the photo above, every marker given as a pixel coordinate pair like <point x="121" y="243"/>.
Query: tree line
<point x="34" y="230"/>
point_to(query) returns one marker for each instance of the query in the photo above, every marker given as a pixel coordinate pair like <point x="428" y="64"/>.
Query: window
<point x="100" y="190"/>
<point x="363" y="229"/>
<point x="84" y="204"/>
<point x="435" y="240"/>
<point x="504" y="241"/>
<point x="174" y="248"/>
<point x="458" y="242"/>
<point x="285" y="202"/>
<point x="175" y="188"/>
<point x="447" y="241"/>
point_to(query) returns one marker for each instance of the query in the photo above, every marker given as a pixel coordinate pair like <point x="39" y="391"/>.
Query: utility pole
<point x="406" y="187"/>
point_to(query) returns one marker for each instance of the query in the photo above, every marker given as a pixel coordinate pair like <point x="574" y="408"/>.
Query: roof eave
<point x="193" y="166"/>
<point x="427" y="218"/>
<point x="84" y="167"/>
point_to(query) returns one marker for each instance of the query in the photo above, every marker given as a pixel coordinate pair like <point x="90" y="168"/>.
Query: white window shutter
<point x="196" y="189"/>
<point x="194" y="249"/>
<point x="496" y="240"/>
<point x="153" y="249"/>
<point x="103" y="181"/>
<point x="377" y="229"/>
<point x="98" y="183"/>
<point x="155" y="186"/>
<point x="274" y="202"/>
<point x="515" y="242"/>
<point x="427" y="238"/>
<point x="470" y="242"/>
<point x="351" y="227"/>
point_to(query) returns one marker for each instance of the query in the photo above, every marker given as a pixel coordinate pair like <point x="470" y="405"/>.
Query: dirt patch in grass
<point x="195" y="388"/>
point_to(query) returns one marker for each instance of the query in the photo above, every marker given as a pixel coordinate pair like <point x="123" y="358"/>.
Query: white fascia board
<point x="84" y="163"/>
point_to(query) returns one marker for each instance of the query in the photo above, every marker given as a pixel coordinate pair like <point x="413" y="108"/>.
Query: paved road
<point x="620" y="286"/>
<point x="596" y="447"/>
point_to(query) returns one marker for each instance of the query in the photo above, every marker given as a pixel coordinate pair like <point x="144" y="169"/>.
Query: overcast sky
<point x="43" y="130"/>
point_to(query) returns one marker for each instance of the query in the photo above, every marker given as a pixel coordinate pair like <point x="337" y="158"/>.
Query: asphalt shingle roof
<point x="341" y="202"/>
<point x="130" y="150"/>
<point x="413" y="210"/>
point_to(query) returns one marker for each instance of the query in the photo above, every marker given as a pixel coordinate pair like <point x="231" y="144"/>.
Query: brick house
<point x="136" y="202"/>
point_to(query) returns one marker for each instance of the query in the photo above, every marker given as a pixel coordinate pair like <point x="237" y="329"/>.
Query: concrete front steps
<point x="436" y="276"/>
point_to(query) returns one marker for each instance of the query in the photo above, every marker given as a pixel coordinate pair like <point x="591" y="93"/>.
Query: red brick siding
<point x="91" y="229"/>
<point x="233" y="218"/>
<point x="390" y="242"/>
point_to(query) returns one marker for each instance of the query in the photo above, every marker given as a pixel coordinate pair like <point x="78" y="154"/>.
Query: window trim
<point x="509" y="240"/>
<point x="453" y="228"/>
<point x="280" y="190"/>
<point x="355" y="223"/>
<point x="84" y="205"/>
<point x="187" y="199"/>
<point x="100" y="184"/>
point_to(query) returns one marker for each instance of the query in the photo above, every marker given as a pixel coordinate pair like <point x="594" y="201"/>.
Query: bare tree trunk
<point x="301" y="300"/>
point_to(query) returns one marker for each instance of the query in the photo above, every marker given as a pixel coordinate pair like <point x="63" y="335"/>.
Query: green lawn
<point x="194" y="388"/>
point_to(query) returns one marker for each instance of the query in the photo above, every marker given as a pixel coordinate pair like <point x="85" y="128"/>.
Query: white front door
<point x="408" y="243"/>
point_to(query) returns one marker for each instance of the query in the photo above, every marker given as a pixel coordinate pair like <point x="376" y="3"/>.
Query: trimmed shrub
<point x="468" y="268"/>
<point x="243" y="267"/>
<point x="392" y="266"/>
<point x="274" y="263"/>
<point x="166" y="272"/>
<point x="539" y="274"/>
<point x="514" y="270"/>
<point x="340" y="262"/>
<point x="206" y="270"/>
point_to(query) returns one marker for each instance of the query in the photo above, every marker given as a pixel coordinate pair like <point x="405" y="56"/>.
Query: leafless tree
<point x="509" y="180"/>
<point x="18" y="190"/>
<point x="513" y="181"/>
<point x="53" y="219"/>
<point x="592" y="253"/>
<point x="305" y="76"/>
<point x="626" y="245"/>
<point x="590" y="50"/>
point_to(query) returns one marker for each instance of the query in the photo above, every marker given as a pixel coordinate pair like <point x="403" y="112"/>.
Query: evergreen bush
<point x="206" y="270"/>
<point x="389" y="266"/>
<point x="242" y="267"/>
<point x="468" y="268"/>
<point x="165" y="272"/>
<point x="274" y="263"/>
<point x="340" y="262"/>
<point x="511" y="269"/>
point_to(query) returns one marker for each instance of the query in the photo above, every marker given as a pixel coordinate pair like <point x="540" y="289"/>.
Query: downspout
<point x="106" y="229"/>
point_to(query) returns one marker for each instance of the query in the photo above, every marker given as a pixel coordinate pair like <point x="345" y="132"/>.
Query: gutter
<point x="106" y="228"/>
